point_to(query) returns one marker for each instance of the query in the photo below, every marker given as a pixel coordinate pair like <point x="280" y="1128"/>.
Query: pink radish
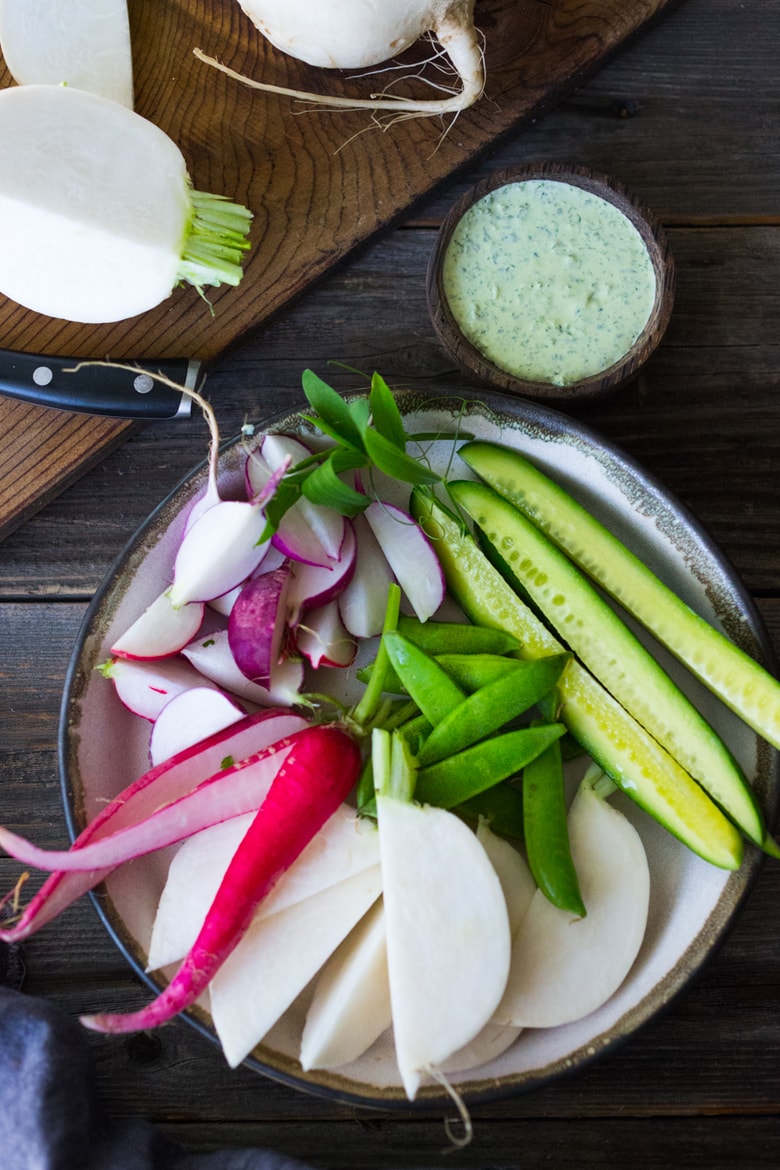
<point x="307" y="532"/>
<point x="158" y="786"/>
<point x="410" y="555"/>
<point x="323" y="639"/>
<point x="313" y="585"/>
<point x="229" y="793"/>
<point x="223" y="604"/>
<point x="219" y="551"/>
<point x="190" y="717"/>
<point x="214" y="659"/>
<point x="144" y="687"/>
<point x="257" y="624"/>
<point x="362" y="602"/>
<point x="161" y="630"/>
<point x="316" y="777"/>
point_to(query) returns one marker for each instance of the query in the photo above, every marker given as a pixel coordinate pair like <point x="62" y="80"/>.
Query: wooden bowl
<point x="478" y="366"/>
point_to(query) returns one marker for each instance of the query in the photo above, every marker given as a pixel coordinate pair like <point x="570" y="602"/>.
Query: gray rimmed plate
<point x="692" y="903"/>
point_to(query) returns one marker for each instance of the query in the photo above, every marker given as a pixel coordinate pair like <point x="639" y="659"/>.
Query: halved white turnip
<point x="565" y="967"/>
<point x="98" y="218"/>
<point x="410" y="555"/>
<point x="161" y="630"/>
<point x="84" y="44"/>
<point x="188" y="718"/>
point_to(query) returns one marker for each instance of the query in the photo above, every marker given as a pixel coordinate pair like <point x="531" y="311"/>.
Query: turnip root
<point x="99" y="220"/>
<point x="357" y="34"/>
<point x="563" y="966"/>
<point x="84" y="44"/>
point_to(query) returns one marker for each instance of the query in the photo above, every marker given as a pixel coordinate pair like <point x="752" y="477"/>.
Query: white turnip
<point x="99" y="220"/>
<point x="358" y="34"/>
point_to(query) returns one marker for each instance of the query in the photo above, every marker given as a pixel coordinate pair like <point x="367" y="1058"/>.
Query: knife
<point x="100" y="389"/>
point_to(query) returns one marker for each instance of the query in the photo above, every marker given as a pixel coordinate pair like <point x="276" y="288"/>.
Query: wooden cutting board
<point x="319" y="184"/>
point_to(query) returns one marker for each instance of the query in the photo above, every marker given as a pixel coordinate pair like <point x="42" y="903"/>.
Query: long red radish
<point x="158" y="786"/>
<point x="316" y="777"/>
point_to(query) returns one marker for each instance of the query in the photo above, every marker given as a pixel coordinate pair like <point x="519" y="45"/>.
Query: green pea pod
<point x="432" y="689"/>
<point x="501" y="806"/>
<point x="546" y="831"/>
<point x="456" y="637"/>
<point x="450" y="782"/>
<point x="472" y="671"/>
<point x="489" y="708"/>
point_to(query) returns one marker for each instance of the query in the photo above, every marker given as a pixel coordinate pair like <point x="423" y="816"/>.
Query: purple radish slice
<point x="323" y="639"/>
<point x="257" y="624"/>
<point x="362" y="602"/>
<point x="160" y="785"/>
<point x="190" y="717"/>
<point x="214" y="659"/>
<point x="229" y="793"/>
<point x="410" y="555"/>
<point x="218" y="552"/>
<point x="312" y="585"/>
<point x="145" y="686"/>
<point x="161" y="630"/>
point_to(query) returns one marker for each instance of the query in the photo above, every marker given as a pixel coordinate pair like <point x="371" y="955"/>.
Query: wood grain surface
<point x="319" y="184"/>
<point x="688" y="118"/>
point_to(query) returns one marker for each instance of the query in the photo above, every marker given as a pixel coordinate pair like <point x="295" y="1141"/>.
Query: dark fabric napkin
<point x="50" y="1118"/>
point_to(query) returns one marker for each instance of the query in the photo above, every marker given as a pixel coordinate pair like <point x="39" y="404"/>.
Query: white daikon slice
<point x="345" y="846"/>
<point x="448" y="940"/>
<point x="279" y="955"/>
<point x="161" y="630"/>
<point x="564" y="967"/>
<point x="350" y="1008"/>
<point x="188" y="718"/>
<point x="84" y="44"/>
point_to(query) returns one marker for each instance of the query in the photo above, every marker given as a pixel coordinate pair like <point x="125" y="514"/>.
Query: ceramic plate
<point x="103" y="747"/>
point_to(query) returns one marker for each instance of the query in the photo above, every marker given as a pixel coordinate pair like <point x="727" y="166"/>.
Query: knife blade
<point x="100" y="389"/>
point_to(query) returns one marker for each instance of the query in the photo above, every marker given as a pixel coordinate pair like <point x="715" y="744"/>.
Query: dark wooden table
<point x="689" y="117"/>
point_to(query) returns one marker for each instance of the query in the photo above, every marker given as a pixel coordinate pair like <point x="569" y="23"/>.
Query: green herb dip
<point x="548" y="281"/>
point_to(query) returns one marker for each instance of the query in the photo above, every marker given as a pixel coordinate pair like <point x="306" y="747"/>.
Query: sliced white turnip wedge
<point x="410" y="555"/>
<point x="146" y="686"/>
<point x="314" y="585"/>
<point x="448" y="940"/>
<point x="188" y="718"/>
<point x="512" y="870"/>
<point x="213" y="658"/>
<point x="161" y="630"/>
<point x="258" y="622"/>
<point x="344" y="846"/>
<point x="565" y="967"/>
<point x="84" y="44"/>
<point x="99" y="220"/>
<point x="278" y="956"/>
<point x="323" y="639"/>
<point x="362" y="602"/>
<point x="350" y="1008"/>
<point x="219" y="551"/>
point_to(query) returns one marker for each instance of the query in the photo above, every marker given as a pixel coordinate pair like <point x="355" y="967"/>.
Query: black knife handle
<point x="100" y="389"/>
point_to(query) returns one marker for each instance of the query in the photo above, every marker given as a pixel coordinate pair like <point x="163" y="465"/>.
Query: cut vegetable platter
<point x="691" y="902"/>
<point x="319" y="184"/>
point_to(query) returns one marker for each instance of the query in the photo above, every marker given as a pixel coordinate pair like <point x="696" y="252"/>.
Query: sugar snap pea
<point x="458" y="778"/>
<point x="432" y="689"/>
<point x="546" y="831"/>
<point x="456" y="637"/>
<point x="491" y="707"/>
<point x="501" y="806"/>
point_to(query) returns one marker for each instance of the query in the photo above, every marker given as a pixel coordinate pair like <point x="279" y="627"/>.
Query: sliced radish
<point x="410" y="555"/>
<point x="269" y="968"/>
<point x="146" y="686"/>
<point x="161" y="630"/>
<point x="214" y="659"/>
<point x="84" y="44"/>
<point x="317" y="532"/>
<point x="564" y="967"/>
<point x="343" y="847"/>
<point x="313" y="585"/>
<point x="273" y="559"/>
<point x="190" y="717"/>
<point x="219" y="551"/>
<point x="323" y="639"/>
<point x="363" y="601"/>
<point x="257" y="624"/>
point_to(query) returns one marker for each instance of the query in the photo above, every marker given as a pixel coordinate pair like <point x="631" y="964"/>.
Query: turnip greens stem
<point x="215" y="241"/>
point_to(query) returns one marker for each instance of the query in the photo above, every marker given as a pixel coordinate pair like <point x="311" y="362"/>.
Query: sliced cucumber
<point x="628" y="754"/>
<point x="605" y="645"/>
<point x="743" y="685"/>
